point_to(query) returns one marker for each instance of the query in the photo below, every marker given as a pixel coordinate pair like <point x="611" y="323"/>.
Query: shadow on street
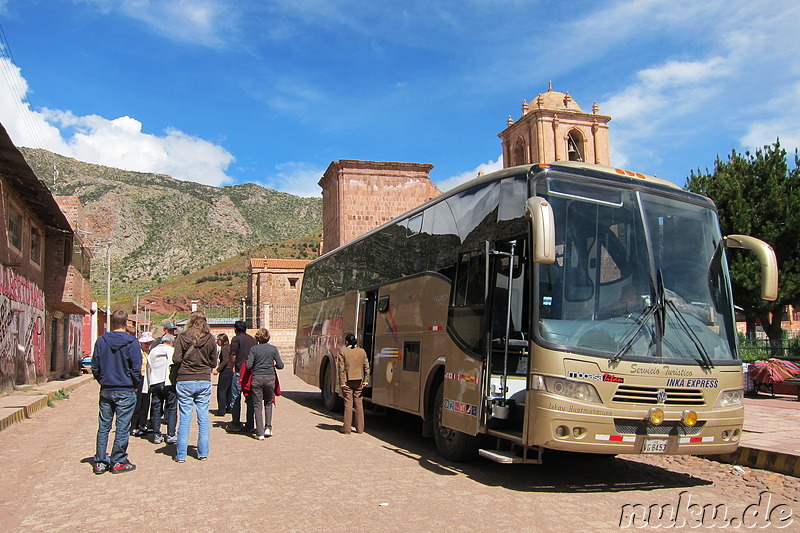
<point x="560" y="471"/>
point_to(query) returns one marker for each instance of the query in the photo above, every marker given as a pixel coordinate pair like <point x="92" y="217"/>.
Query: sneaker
<point x="137" y="432"/>
<point x="268" y="432"/>
<point x="119" y="468"/>
<point x="260" y="437"/>
<point x="158" y="439"/>
<point x="172" y="440"/>
<point x="178" y="460"/>
<point x="100" y="468"/>
<point x="202" y="458"/>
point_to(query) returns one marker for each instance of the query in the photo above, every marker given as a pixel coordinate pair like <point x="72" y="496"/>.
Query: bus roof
<point x="583" y="168"/>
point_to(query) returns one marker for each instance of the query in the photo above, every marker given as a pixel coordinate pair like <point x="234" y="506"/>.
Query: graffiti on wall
<point x="22" y="352"/>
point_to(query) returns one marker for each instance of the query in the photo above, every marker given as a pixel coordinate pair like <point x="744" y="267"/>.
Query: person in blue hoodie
<point x="117" y="367"/>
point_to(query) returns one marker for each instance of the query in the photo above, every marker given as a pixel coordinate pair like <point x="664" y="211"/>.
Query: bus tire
<point x="453" y="445"/>
<point x="330" y="398"/>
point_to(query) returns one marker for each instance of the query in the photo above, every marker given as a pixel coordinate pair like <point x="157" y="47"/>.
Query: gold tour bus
<point x="566" y="306"/>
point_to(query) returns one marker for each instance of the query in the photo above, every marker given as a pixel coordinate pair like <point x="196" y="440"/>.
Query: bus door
<point x="507" y="353"/>
<point x="462" y="407"/>
<point x="365" y="323"/>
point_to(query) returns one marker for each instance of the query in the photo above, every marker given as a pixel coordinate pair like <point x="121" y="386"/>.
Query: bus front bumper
<point x="569" y="427"/>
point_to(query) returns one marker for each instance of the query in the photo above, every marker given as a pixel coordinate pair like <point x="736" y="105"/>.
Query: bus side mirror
<point x="766" y="256"/>
<point x="543" y="228"/>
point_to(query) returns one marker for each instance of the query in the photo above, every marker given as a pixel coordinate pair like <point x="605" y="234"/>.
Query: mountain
<point x="161" y="228"/>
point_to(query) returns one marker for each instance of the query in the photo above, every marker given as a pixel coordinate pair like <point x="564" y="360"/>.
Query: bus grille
<point x="633" y="394"/>
<point x="639" y="427"/>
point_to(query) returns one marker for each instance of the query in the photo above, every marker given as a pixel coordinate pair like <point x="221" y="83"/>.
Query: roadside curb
<point x="783" y="463"/>
<point x="18" y="405"/>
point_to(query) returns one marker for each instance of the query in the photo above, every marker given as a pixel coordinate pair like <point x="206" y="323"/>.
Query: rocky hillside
<point x="161" y="228"/>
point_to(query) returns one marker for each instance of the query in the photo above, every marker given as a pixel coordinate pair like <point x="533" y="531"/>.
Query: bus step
<point x="511" y="457"/>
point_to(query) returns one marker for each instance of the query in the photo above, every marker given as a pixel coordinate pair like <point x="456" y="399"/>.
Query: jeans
<point x="262" y="390"/>
<point x="191" y="395"/>
<point x="163" y="396"/>
<point x="236" y="404"/>
<point x="119" y="403"/>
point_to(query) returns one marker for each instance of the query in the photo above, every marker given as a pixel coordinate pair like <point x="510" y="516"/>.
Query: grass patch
<point x="61" y="394"/>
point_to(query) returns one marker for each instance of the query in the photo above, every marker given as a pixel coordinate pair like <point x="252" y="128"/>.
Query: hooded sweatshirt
<point x="196" y="355"/>
<point x="117" y="361"/>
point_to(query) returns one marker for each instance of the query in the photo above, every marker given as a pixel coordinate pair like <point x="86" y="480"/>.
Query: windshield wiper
<point x="642" y="320"/>
<point x="706" y="360"/>
<point x="655" y="309"/>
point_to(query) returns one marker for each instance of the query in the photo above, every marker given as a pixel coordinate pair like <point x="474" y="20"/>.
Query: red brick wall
<point x="358" y="196"/>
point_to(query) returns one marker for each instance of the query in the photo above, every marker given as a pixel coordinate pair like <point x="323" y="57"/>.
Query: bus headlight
<point x="575" y="390"/>
<point x="689" y="418"/>
<point x="655" y="415"/>
<point x="730" y="398"/>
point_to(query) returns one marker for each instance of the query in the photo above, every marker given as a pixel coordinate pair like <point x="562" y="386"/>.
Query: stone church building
<point x="358" y="196"/>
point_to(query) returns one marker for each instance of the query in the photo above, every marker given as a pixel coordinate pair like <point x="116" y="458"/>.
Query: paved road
<point x="309" y="477"/>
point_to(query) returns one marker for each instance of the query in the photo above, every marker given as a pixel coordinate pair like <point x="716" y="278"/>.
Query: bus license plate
<point x="655" y="446"/>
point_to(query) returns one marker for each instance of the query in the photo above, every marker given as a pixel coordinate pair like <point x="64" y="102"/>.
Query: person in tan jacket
<point x="353" y="377"/>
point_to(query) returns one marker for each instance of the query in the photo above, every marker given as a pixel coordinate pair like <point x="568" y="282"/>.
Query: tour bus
<point x="563" y="306"/>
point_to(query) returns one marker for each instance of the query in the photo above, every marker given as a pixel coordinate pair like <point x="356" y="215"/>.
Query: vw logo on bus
<point x="661" y="396"/>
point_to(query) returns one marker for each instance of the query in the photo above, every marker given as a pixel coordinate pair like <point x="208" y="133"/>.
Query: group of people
<point x="177" y="379"/>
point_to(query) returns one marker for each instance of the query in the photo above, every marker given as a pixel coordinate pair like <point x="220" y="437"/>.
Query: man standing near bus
<point x="353" y="377"/>
<point x="240" y="349"/>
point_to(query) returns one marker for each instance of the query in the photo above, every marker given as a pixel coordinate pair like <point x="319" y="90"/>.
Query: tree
<point x="758" y="195"/>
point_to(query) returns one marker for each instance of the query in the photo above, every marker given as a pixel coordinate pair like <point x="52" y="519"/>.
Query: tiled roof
<point x="289" y="264"/>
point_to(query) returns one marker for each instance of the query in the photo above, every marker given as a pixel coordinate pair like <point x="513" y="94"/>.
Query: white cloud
<point x="718" y="88"/>
<point x="206" y="22"/>
<point x="118" y="143"/>
<point x="300" y="179"/>
<point x="454" y="181"/>
<point x="783" y="126"/>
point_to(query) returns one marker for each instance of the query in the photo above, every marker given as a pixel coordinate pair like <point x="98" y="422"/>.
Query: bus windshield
<point x="637" y="276"/>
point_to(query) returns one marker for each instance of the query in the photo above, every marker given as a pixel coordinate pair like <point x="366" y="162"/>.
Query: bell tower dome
<point x="553" y="127"/>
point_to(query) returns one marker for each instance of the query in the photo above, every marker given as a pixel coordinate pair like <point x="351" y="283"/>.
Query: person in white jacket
<point x="162" y="390"/>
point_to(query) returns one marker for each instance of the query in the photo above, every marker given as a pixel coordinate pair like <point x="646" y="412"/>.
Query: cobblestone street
<point x="309" y="477"/>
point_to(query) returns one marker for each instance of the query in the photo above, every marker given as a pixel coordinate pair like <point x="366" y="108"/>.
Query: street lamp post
<point x="108" y="280"/>
<point x="136" y="310"/>
<point x="149" y="314"/>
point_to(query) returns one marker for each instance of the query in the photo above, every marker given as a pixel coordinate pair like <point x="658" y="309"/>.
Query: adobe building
<point x="274" y="289"/>
<point x="43" y="278"/>
<point x="358" y="196"/>
<point x="553" y="127"/>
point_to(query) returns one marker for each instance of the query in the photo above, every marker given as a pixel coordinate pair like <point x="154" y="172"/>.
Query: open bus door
<point x="507" y="360"/>
<point x="365" y="325"/>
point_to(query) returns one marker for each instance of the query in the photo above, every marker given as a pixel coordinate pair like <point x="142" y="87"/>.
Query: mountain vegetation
<point x="162" y="229"/>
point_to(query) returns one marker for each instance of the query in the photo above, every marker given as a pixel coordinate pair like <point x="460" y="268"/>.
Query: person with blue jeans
<point x="241" y="344"/>
<point x="196" y="355"/>
<point x="117" y="367"/>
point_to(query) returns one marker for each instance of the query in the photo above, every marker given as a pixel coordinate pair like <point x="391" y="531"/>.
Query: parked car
<point x="86" y="364"/>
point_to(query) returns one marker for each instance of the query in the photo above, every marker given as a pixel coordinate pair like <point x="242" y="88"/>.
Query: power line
<point x="21" y="100"/>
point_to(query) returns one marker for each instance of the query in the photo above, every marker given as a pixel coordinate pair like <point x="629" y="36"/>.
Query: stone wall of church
<point x="358" y="196"/>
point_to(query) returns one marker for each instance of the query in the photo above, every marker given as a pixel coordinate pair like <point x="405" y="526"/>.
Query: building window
<point x="15" y="228"/>
<point x="293" y="283"/>
<point x="36" y="246"/>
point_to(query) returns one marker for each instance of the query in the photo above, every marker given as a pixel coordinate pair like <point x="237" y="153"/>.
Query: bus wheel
<point x="453" y="445"/>
<point x="331" y="400"/>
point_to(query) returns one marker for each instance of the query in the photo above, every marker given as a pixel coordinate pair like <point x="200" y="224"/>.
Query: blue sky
<point x="229" y="91"/>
